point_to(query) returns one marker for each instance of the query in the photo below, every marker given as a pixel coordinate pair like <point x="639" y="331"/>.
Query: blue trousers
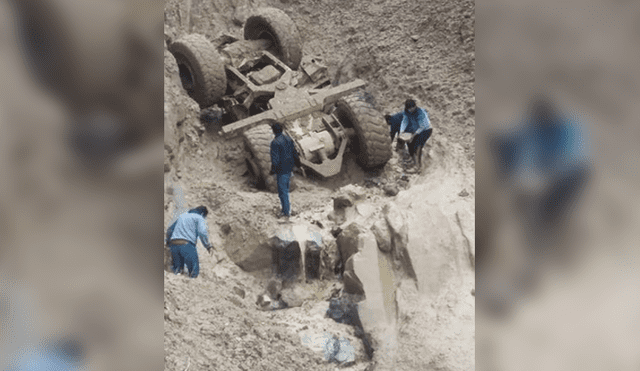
<point x="185" y="254"/>
<point x="283" y="192"/>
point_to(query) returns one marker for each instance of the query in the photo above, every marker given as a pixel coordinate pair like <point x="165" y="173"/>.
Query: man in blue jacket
<point x="283" y="159"/>
<point x="415" y="121"/>
<point x="545" y="160"/>
<point x="182" y="237"/>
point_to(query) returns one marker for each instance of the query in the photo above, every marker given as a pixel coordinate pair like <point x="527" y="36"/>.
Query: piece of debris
<point x="339" y="350"/>
<point x="415" y="37"/>
<point x="463" y="193"/>
<point x="238" y="291"/>
<point x="390" y="190"/>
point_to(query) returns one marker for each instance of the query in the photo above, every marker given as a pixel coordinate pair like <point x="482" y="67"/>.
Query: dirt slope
<point x="367" y="40"/>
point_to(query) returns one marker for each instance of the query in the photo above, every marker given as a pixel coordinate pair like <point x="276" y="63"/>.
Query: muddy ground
<point x="403" y="49"/>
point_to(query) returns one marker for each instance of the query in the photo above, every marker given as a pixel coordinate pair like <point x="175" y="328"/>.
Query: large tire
<point x="373" y="145"/>
<point x="201" y="69"/>
<point x="275" y="25"/>
<point x="258" y="142"/>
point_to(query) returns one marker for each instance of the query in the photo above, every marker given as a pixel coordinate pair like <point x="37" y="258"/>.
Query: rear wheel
<point x="373" y="146"/>
<point x="201" y="69"/>
<point x="258" y="143"/>
<point x="276" y="26"/>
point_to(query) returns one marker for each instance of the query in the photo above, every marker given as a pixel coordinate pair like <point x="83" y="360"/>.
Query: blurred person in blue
<point x="182" y="237"/>
<point x="414" y="121"/>
<point x="284" y="157"/>
<point x="545" y="161"/>
<point x="64" y="355"/>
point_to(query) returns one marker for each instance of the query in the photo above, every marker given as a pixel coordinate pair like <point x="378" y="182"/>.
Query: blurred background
<point x="557" y="96"/>
<point x="81" y="148"/>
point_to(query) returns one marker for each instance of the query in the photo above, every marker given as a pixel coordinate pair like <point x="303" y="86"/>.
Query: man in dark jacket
<point x="182" y="237"/>
<point x="283" y="159"/>
<point x="394" y="122"/>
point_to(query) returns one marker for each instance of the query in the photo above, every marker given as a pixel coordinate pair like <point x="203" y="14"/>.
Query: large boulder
<point x="348" y="241"/>
<point x="352" y="284"/>
<point x="248" y="247"/>
<point x="399" y="233"/>
<point x="330" y="261"/>
<point x="383" y="237"/>
<point x="345" y="202"/>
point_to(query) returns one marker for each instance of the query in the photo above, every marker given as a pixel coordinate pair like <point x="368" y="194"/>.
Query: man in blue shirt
<point x="182" y="237"/>
<point x="283" y="159"/>
<point x="545" y="161"/>
<point x="415" y="121"/>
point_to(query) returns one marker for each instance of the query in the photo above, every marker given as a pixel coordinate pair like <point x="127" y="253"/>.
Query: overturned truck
<point x="262" y="79"/>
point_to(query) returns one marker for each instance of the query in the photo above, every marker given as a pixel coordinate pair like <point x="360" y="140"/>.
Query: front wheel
<point x="201" y="69"/>
<point x="373" y="147"/>
<point x="258" y="143"/>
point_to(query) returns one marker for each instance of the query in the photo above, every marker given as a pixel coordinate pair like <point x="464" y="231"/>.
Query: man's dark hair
<point x="202" y="210"/>
<point x="277" y="129"/>
<point x="409" y="103"/>
<point x="543" y="110"/>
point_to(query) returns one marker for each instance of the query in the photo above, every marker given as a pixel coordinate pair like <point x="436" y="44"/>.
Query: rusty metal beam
<point x="315" y="102"/>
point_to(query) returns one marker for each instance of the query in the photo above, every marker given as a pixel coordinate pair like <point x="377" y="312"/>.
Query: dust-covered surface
<point x="576" y="307"/>
<point x="77" y="258"/>
<point x="402" y="49"/>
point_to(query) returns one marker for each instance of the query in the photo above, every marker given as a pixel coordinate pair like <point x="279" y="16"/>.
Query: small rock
<point x="463" y="193"/>
<point x="390" y="190"/>
<point x="263" y="301"/>
<point x="236" y="302"/>
<point x="293" y="297"/>
<point x="415" y="37"/>
<point x="238" y="291"/>
<point x="341" y="202"/>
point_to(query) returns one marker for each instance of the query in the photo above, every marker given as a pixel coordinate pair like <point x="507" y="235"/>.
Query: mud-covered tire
<point x="258" y="143"/>
<point x="275" y="25"/>
<point x="201" y="69"/>
<point x="373" y="146"/>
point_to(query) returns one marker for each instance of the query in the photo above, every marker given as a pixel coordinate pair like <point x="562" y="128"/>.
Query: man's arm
<point x="403" y="125"/>
<point x="203" y="233"/>
<point x="394" y="122"/>
<point x="275" y="155"/>
<point x="424" y="122"/>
